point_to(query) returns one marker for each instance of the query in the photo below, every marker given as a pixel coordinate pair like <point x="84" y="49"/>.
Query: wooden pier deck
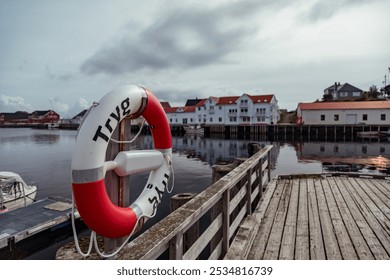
<point x="22" y="224"/>
<point x="318" y="217"/>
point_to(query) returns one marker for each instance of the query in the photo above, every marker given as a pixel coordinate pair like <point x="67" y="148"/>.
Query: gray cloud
<point x="13" y="103"/>
<point x="176" y="96"/>
<point x="181" y="38"/>
<point x="321" y="10"/>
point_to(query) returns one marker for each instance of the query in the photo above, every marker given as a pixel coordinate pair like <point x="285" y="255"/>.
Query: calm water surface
<point x="44" y="157"/>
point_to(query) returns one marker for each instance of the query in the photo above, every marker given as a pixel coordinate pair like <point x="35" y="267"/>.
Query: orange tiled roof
<point x="225" y="100"/>
<point x="261" y="98"/>
<point x="345" y="105"/>
<point x="186" y="109"/>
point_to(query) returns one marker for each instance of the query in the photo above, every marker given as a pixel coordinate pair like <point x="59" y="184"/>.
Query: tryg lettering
<point x="156" y="199"/>
<point x="115" y="117"/>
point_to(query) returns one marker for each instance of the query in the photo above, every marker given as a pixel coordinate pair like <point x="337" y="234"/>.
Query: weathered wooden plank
<point x="384" y="186"/>
<point x="332" y="249"/>
<point x="236" y="199"/>
<point x="302" y="241"/>
<point x="194" y="251"/>
<point x="359" y="243"/>
<point x="289" y="233"/>
<point x="235" y="224"/>
<point x="343" y="239"/>
<point x="243" y="239"/>
<point x="275" y="238"/>
<point x="380" y="211"/>
<point x="367" y="227"/>
<point x="317" y="247"/>
<point x="382" y="200"/>
<point x="217" y="252"/>
<point x="261" y="239"/>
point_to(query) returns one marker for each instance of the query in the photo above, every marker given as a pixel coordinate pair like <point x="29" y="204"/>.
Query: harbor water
<point x="43" y="157"/>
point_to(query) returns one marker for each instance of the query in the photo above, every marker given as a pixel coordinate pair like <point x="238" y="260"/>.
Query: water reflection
<point x="19" y="136"/>
<point x="208" y="150"/>
<point x="342" y="156"/>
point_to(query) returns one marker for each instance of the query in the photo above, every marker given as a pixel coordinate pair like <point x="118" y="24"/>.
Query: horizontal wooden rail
<point x="222" y="207"/>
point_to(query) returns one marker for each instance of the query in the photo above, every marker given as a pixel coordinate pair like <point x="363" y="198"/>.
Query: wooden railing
<point x="219" y="210"/>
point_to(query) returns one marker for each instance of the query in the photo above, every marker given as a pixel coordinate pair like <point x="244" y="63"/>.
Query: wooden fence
<point x="218" y="210"/>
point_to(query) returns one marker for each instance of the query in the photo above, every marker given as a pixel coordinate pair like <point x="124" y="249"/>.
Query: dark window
<point x="336" y="118"/>
<point x="383" y="117"/>
<point x="322" y="117"/>
<point x="365" y="117"/>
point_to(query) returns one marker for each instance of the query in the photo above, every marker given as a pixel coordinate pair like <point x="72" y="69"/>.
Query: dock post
<point x="182" y="242"/>
<point x="118" y="188"/>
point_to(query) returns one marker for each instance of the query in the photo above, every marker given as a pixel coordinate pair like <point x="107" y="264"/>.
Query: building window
<point x="220" y="107"/>
<point x="185" y="121"/>
<point x="336" y="118"/>
<point x="322" y="117"/>
<point x="211" y="119"/>
<point x="343" y="94"/>
<point x="383" y="117"/>
<point x="365" y="117"/>
<point x="170" y="120"/>
<point x="220" y="119"/>
<point x="246" y="119"/>
<point x="261" y="119"/>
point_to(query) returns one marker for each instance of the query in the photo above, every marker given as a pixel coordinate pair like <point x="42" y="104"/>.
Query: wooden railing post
<point x="269" y="166"/>
<point x="226" y="221"/>
<point x="260" y="170"/>
<point x="176" y="247"/>
<point x="249" y="192"/>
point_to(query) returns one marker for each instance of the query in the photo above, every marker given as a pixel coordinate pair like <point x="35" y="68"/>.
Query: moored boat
<point x="191" y="129"/>
<point x="14" y="192"/>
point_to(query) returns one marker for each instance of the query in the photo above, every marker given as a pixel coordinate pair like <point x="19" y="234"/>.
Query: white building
<point x="228" y="110"/>
<point x="333" y="113"/>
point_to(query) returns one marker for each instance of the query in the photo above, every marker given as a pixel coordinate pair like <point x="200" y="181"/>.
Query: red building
<point x="36" y="117"/>
<point x="41" y="117"/>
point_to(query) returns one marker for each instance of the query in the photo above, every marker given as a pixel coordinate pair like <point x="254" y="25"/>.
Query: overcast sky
<point x="64" y="55"/>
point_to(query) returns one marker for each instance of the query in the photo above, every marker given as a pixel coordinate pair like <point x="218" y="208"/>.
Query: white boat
<point x="14" y="192"/>
<point x="53" y="125"/>
<point x="191" y="129"/>
<point x="385" y="133"/>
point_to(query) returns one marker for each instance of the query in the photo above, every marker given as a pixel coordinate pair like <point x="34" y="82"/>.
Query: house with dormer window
<point x="340" y="91"/>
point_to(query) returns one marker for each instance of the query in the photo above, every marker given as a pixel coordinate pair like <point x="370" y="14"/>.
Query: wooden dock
<point x="318" y="217"/>
<point x="246" y="215"/>
<point x="23" y="224"/>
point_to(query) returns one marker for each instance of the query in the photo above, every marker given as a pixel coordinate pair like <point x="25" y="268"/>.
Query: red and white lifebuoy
<point x="89" y="165"/>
